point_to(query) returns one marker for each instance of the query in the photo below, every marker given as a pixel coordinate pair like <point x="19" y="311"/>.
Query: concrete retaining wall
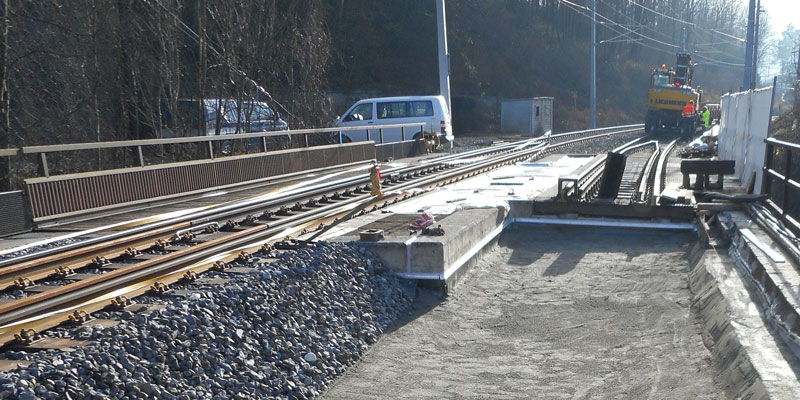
<point x="750" y="362"/>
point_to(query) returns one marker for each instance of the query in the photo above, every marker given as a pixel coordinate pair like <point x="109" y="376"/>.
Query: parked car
<point x="220" y="116"/>
<point x="432" y="110"/>
<point x="257" y="116"/>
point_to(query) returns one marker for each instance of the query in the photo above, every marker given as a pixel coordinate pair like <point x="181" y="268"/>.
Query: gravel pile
<point x="34" y="249"/>
<point x="283" y="331"/>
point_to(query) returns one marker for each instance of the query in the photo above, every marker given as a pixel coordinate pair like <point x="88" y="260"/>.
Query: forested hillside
<point x="512" y="49"/>
<point x="96" y="70"/>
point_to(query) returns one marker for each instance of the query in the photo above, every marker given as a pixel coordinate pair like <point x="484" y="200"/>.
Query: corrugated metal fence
<point x="67" y="194"/>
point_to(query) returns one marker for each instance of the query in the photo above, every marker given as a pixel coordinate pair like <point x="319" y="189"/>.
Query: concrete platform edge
<point x="750" y="363"/>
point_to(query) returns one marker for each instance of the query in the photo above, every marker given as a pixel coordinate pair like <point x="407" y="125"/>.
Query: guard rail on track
<point x="583" y="186"/>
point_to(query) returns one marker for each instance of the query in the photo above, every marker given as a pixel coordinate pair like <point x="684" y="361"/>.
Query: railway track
<point x="68" y="284"/>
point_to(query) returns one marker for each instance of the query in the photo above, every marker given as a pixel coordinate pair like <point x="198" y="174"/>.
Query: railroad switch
<point x="63" y="271"/>
<point x="211" y="228"/>
<point x="27" y="336"/>
<point x="79" y="317"/>
<point x="120" y="302"/>
<point x="100" y="261"/>
<point x="23" y="282"/>
<point x="229" y="226"/>
<point x="159" y="288"/>
<point x="243" y="257"/>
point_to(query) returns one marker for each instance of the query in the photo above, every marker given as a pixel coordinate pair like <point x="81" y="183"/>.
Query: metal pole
<point x="768" y="156"/>
<point x="748" y="51"/>
<point x="593" y="87"/>
<point x="444" y="56"/>
<point x="754" y="73"/>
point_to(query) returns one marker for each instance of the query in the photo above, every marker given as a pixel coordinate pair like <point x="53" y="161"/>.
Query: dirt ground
<point x="550" y="314"/>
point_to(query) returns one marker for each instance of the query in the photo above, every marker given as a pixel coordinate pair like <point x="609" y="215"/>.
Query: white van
<point x="432" y="110"/>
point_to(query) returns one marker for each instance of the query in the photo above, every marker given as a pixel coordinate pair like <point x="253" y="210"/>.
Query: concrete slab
<point x="436" y="258"/>
<point x="472" y="212"/>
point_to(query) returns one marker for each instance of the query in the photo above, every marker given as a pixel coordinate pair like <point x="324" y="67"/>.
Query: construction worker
<point x="706" y="117"/>
<point x="688" y="111"/>
<point x="688" y="120"/>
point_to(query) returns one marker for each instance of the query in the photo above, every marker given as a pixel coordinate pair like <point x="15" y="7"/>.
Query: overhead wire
<point x="580" y="8"/>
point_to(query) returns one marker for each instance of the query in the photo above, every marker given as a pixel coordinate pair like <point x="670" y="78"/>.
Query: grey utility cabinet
<point x="532" y="116"/>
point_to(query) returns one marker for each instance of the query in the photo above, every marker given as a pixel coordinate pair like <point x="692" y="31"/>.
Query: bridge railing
<point x="215" y="146"/>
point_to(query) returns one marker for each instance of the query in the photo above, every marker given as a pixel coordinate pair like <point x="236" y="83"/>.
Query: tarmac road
<point x="551" y="313"/>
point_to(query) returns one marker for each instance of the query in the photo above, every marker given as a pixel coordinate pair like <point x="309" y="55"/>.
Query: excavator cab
<point x="670" y="91"/>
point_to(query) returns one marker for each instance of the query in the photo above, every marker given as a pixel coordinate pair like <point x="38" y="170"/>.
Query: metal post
<point x="593" y="87"/>
<point x="768" y="155"/>
<point x="748" y="52"/>
<point x="210" y="150"/>
<point x="43" y="164"/>
<point x="754" y="73"/>
<point x="444" y="56"/>
<point x="264" y="143"/>
<point x="403" y="133"/>
<point x="305" y="137"/>
<point x="380" y="134"/>
<point x="786" y="178"/>
<point x="141" y="156"/>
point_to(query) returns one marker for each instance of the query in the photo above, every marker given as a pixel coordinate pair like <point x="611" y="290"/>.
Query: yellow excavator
<point x="670" y="91"/>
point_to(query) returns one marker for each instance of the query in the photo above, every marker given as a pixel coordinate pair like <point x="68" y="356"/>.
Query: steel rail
<point x="661" y="173"/>
<point x="226" y="211"/>
<point x="645" y="185"/>
<point x="23" y="308"/>
<point x="586" y="183"/>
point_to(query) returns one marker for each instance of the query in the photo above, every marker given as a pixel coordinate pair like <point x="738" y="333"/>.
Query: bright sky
<point x="781" y="14"/>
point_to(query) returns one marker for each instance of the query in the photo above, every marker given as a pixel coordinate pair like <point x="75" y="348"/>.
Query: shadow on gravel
<point x="425" y="300"/>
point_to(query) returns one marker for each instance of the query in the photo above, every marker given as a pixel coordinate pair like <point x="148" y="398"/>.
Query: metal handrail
<point x="791" y="187"/>
<point x="194" y="139"/>
<point x="139" y="144"/>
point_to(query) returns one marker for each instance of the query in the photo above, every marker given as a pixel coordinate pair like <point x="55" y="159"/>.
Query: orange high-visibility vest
<point x="688" y="111"/>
